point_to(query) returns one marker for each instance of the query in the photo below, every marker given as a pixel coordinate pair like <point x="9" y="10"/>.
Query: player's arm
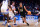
<point x="25" y="9"/>
<point x="38" y="13"/>
<point x="12" y="9"/>
<point x="15" y="11"/>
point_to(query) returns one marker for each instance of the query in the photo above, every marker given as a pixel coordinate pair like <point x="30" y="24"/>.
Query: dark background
<point x="26" y="1"/>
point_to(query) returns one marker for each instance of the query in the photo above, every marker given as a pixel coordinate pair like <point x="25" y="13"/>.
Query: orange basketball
<point x="29" y="13"/>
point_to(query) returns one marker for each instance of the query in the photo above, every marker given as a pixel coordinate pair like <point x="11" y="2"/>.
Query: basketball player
<point x="13" y="5"/>
<point x="13" y="12"/>
<point x="11" y="15"/>
<point x="4" y="11"/>
<point x="38" y="14"/>
<point x="22" y="10"/>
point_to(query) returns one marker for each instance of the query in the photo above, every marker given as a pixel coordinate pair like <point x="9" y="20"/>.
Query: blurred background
<point x="31" y="5"/>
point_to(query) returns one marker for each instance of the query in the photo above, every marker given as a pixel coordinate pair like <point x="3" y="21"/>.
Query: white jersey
<point x="11" y="14"/>
<point x="4" y="6"/>
<point x="13" y="7"/>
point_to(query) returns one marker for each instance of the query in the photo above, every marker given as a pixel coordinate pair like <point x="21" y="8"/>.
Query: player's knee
<point x="22" y="18"/>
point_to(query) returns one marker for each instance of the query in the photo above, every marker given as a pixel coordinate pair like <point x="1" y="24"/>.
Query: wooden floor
<point x="21" y="24"/>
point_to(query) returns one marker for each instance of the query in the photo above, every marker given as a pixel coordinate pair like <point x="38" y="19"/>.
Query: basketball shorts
<point x="12" y="18"/>
<point x="22" y="14"/>
<point x="39" y="16"/>
<point x="4" y="11"/>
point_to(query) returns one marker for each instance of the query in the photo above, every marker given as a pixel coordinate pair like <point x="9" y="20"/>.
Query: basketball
<point x="29" y="13"/>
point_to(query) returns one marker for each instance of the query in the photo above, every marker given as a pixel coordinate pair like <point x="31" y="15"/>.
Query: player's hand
<point x="16" y="11"/>
<point x="37" y="14"/>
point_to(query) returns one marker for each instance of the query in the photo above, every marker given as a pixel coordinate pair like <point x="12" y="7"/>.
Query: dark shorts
<point x="22" y="14"/>
<point x="39" y="16"/>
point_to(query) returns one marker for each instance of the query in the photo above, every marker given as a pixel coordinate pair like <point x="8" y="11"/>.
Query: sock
<point x="8" y="24"/>
<point x="14" y="23"/>
<point x="37" y="22"/>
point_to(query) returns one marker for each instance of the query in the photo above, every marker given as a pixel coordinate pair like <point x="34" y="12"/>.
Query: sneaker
<point x="27" y="24"/>
<point x="4" y="24"/>
<point x="36" y="24"/>
<point x="15" y="24"/>
<point x="9" y="26"/>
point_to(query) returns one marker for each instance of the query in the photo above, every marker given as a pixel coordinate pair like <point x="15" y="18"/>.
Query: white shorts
<point x="4" y="11"/>
<point x="12" y="18"/>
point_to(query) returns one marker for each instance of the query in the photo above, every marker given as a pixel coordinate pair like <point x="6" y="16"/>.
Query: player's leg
<point x="38" y="20"/>
<point x="4" y="19"/>
<point x="24" y="19"/>
<point x="11" y="19"/>
<point x="8" y="18"/>
<point x="8" y="24"/>
<point x="14" y="20"/>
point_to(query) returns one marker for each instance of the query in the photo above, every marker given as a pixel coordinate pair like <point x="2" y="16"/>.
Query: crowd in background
<point x="32" y="6"/>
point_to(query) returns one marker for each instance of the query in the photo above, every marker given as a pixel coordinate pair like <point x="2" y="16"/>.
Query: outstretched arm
<point x="25" y="9"/>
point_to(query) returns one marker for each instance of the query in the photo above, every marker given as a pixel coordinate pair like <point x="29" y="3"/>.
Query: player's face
<point x="13" y="3"/>
<point x="20" y="4"/>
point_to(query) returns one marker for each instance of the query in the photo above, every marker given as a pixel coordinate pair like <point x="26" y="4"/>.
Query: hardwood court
<point x="32" y="24"/>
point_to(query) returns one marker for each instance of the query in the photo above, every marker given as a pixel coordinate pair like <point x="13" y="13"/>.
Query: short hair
<point x="20" y="2"/>
<point x="10" y="7"/>
<point x="13" y="2"/>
